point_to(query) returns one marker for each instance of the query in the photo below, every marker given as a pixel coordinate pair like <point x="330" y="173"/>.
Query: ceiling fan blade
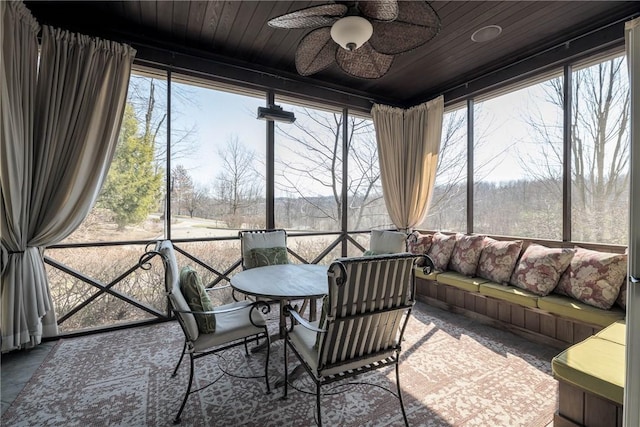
<point x="417" y="23"/>
<point x="364" y="62"/>
<point x="315" y="52"/>
<point x="314" y="16"/>
<point x="381" y="10"/>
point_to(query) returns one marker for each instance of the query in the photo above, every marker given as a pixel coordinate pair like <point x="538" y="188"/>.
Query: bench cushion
<point x="568" y="307"/>
<point x="616" y="332"/>
<point x="509" y="293"/>
<point x="595" y="365"/>
<point x="461" y="281"/>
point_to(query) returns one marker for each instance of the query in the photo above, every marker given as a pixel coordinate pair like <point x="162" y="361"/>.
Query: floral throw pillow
<point x="441" y="248"/>
<point x="419" y="244"/>
<point x="594" y="277"/>
<point x="540" y="268"/>
<point x="622" y="296"/>
<point x="261" y="257"/>
<point x="498" y="258"/>
<point x="198" y="300"/>
<point x="466" y="253"/>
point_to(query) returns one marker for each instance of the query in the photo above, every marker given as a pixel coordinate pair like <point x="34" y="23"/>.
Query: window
<point x="448" y="208"/>
<point x="217" y="183"/>
<point x="600" y="152"/>
<point x="308" y="170"/>
<point x="518" y="149"/>
<point x="366" y="208"/>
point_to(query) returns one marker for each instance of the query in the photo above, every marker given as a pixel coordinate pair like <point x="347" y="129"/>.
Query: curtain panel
<point x="408" y="146"/>
<point x="59" y="161"/>
<point x="18" y="75"/>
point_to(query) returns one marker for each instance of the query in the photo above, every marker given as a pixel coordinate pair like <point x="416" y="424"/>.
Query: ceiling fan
<point x="362" y="37"/>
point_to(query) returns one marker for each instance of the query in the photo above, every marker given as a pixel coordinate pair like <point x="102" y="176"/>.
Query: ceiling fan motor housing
<point x="351" y="32"/>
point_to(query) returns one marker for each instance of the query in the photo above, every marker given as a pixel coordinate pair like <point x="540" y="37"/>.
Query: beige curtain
<point x="408" y="147"/>
<point x="18" y="74"/>
<point x="59" y="162"/>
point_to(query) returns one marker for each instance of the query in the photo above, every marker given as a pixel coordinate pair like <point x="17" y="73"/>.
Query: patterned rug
<point x="454" y="372"/>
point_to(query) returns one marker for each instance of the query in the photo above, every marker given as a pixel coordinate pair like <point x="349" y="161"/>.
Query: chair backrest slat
<point x="369" y="298"/>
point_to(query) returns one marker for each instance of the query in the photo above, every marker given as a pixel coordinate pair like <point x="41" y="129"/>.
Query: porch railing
<point x="100" y="286"/>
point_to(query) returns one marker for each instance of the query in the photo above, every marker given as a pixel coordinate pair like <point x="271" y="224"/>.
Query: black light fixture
<point x="275" y="113"/>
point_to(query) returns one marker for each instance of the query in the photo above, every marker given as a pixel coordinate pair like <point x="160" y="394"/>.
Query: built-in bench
<point x="591" y="377"/>
<point x="554" y="320"/>
<point x="591" y="367"/>
<point x="543" y="315"/>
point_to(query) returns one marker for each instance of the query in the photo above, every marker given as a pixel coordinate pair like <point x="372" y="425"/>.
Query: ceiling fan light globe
<point x="351" y="32"/>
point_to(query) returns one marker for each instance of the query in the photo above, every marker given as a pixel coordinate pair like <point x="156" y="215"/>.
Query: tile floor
<point x="17" y="368"/>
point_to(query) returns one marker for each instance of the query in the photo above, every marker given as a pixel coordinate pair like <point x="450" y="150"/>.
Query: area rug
<point x="454" y="372"/>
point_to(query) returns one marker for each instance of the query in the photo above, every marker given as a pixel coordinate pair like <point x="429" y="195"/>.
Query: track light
<point x="275" y="113"/>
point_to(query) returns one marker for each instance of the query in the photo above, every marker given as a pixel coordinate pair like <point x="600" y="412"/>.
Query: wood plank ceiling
<point x="236" y="32"/>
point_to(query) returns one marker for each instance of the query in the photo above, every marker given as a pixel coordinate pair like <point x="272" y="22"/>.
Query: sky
<point x="218" y="116"/>
<point x="505" y="137"/>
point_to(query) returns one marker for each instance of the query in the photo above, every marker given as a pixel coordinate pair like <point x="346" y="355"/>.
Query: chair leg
<point x="184" y="349"/>
<point x="176" y="420"/>
<point x="404" y="414"/>
<point x="318" y="403"/>
<point x="286" y="370"/>
<point x="266" y="362"/>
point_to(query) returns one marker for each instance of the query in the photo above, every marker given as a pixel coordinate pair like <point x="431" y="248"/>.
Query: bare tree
<point x="452" y="164"/>
<point x="146" y="95"/>
<point x="312" y="168"/>
<point x="447" y="210"/>
<point x="196" y="200"/>
<point x="238" y="185"/>
<point x="544" y="163"/>
<point x="364" y="187"/>
<point x="181" y="190"/>
<point x="599" y="149"/>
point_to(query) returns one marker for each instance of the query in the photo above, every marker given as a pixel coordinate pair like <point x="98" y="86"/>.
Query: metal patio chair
<point x="362" y="322"/>
<point x="260" y="240"/>
<point x="236" y="324"/>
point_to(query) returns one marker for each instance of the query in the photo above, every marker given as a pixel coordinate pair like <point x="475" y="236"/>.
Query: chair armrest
<point x="233" y="291"/>
<point x="254" y="305"/>
<point x="425" y="262"/>
<point x="175" y="310"/>
<point x="217" y="288"/>
<point x="291" y="311"/>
